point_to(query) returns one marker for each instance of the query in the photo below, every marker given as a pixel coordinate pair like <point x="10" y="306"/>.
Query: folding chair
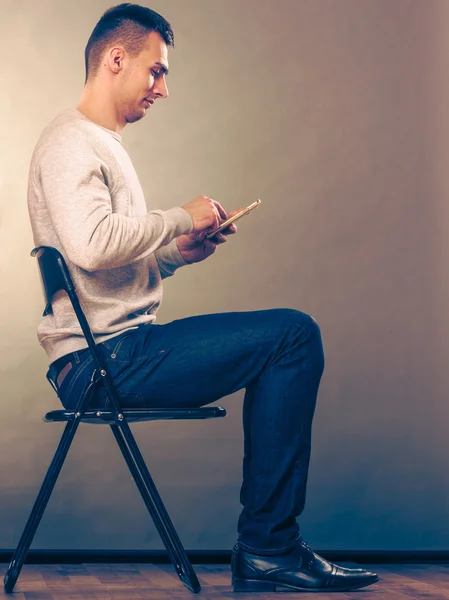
<point x="55" y="277"/>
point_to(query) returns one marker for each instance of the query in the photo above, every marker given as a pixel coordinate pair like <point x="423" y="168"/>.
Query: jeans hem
<point x="269" y="551"/>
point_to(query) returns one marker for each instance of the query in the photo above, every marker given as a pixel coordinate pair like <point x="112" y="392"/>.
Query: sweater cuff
<point x="181" y="219"/>
<point x="169" y="259"/>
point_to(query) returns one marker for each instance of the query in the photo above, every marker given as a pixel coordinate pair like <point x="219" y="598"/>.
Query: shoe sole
<point x="255" y="585"/>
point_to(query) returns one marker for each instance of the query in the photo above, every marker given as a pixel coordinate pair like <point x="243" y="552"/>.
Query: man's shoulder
<point x="68" y="134"/>
<point x="66" y="128"/>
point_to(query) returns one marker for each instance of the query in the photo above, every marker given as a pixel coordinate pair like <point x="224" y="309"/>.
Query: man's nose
<point x="161" y="88"/>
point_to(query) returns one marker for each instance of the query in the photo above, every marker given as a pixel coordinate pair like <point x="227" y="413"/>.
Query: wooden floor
<point x="159" y="582"/>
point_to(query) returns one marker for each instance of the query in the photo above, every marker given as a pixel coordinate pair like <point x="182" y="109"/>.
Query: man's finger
<point x="222" y="239"/>
<point x="221" y="211"/>
<point x="210" y="244"/>
<point x="218" y="238"/>
<point x="230" y="229"/>
<point x="234" y="212"/>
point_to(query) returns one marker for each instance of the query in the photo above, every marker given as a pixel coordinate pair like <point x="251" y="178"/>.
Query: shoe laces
<point x="309" y="552"/>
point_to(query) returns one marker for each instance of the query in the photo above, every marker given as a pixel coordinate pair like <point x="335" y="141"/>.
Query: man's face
<point x="143" y="79"/>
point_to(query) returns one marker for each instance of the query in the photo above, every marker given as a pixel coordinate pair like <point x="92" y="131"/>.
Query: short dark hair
<point x="126" y="24"/>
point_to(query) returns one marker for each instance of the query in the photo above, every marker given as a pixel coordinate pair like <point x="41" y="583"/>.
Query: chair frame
<point x="55" y="277"/>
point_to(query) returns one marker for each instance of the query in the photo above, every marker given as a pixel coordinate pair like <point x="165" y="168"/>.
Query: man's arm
<point x="78" y="200"/>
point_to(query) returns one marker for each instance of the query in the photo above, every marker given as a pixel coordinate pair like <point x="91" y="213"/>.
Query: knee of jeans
<point x="310" y="326"/>
<point x="304" y="320"/>
<point x="315" y="326"/>
<point x="315" y="333"/>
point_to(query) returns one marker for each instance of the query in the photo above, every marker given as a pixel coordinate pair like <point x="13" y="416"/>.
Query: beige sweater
<point x="85" y="199"/>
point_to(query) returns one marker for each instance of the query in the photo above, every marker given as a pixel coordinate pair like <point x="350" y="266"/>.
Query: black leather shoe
<point x="301" y="569"/>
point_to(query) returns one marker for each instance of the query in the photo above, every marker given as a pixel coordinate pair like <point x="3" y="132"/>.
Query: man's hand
<point x="205" y="213"/>
<point x="194" y="248"/>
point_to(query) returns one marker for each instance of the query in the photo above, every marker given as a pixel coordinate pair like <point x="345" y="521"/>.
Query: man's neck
<point x="99" y="111"/>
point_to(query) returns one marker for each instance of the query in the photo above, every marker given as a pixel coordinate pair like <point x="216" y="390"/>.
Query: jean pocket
<point x="118" y="348"/>
<point x="75" y="382"/>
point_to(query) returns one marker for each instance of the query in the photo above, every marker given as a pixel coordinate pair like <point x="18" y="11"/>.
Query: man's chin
<point x="136" y="116"/>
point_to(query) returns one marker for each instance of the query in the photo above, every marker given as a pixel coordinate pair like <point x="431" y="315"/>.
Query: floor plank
<point x="160" y="582"/>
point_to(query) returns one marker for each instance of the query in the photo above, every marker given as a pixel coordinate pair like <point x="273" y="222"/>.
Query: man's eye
<point x="155" y="73"/>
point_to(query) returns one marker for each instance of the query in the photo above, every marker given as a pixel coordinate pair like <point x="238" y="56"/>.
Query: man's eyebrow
<point x="163" y="67"/>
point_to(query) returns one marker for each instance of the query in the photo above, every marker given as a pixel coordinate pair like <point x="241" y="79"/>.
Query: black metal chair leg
<point x="40" y="504"/>
<point x="155" y="506"/>
<point x="15" y="566"/>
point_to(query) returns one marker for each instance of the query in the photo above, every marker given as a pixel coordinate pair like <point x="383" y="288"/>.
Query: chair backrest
<point x="54" y="273"/>
<point x="55" y="277"/>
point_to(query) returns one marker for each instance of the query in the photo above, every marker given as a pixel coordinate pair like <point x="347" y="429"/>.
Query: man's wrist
<point x="182" y="252"/>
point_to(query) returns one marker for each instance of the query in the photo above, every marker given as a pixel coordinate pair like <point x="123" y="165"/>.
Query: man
<point x="85" y="199"/>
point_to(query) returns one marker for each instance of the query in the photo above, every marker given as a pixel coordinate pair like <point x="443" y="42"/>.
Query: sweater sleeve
<point x="169" y="259"/>
<point x="75" y="179"/>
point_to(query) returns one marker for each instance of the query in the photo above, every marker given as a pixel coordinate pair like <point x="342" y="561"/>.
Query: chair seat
<point x="139" y="414"/>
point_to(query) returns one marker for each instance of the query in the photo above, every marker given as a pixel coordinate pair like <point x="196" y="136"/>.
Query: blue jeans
<point x="275" y="354"/>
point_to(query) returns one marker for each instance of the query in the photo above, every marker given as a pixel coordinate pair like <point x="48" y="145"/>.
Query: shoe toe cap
<point x="360" y="577"/>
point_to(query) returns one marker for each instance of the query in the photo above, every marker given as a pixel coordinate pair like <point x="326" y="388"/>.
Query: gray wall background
<point x="333" y="112"/>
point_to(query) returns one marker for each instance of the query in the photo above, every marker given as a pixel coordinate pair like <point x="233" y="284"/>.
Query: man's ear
<point x="117" y="61"/>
